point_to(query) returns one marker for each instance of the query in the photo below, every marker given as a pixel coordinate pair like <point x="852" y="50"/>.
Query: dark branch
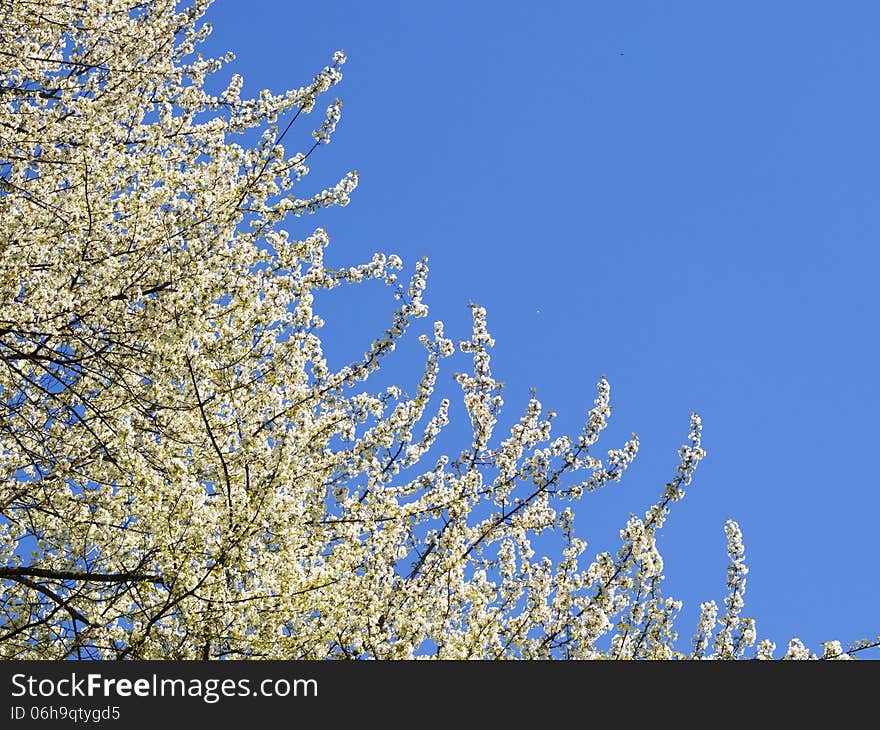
<point x="83" y="575"/>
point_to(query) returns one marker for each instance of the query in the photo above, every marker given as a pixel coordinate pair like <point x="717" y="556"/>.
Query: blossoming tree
<point x="182" y="475"/>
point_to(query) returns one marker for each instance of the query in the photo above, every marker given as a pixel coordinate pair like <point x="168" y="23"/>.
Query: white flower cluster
<point x="726" y="645"/>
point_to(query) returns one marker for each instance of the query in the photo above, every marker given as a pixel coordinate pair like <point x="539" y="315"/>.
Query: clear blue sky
<point x="679" y="195"/>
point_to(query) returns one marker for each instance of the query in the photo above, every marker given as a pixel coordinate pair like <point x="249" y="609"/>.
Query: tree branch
<point x="64" y="603"/>
<point x="83" y="575"/>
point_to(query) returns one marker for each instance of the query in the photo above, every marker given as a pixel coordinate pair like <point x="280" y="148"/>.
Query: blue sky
<point x="678" y="195"/>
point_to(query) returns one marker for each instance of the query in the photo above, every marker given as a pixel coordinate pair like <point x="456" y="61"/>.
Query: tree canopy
<point x="183" y="474"/>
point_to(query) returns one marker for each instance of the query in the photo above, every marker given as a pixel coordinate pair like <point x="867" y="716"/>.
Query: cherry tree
<point x="183" y="475"/>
